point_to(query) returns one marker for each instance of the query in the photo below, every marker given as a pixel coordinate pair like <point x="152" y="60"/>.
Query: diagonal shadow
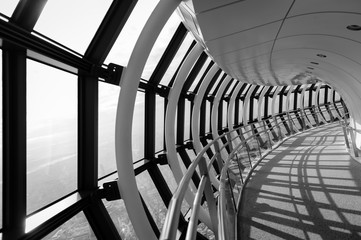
<point x="308" y="188"/>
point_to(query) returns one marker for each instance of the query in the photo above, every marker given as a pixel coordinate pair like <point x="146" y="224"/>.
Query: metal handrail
<point x="217" y="218"/>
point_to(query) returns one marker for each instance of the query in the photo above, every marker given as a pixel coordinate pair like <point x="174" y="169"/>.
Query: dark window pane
<point x="51" y="134"/>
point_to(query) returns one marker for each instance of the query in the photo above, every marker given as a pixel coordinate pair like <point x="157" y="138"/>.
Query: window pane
<point x="159" y="121"/>
<point x="76" y="228"/>
<point x="224" y="114"/>
<point x="7" y="7"/>
<point x="187" y="120"/>
<point x="108" y="100"/>
<point x="321" y="96"/>
<point x="51" y="134"/>
<point x="1" y="145"/>
<point x="152" y="198"/>
<point x="126" y="40"/>
<point x="208" y="116"/>
<point x="119" y="215"/>
<point x="138" y="127"/>
<point x="177" y="59"/>
<point x="160" y="45"/>
<point x="200" y="74"/>
<point x="75" y="21"/>
<point x="211" y="92"/>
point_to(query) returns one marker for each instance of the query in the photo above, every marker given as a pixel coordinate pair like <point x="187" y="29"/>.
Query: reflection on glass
<point x="159" y="121"/>
<point x="51" y="134"/>
<point x="108" y="100"/>
<point x="152" y="198"/>
<point x="138" y="127"/>
<point x="160" y="45"/>
<point x="7" y="7"/>
<point x="177" y="59"/>
<point x="123" y="47"/>
<point x="119" y="215"/>
<point x="75" y="21"/>
<point x="76" y="228"/>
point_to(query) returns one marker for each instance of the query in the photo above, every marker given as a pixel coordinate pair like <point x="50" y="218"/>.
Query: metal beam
<point x="14" y="143"/>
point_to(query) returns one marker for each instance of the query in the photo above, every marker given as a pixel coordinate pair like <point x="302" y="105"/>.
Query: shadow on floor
<point x="308" y="188"/>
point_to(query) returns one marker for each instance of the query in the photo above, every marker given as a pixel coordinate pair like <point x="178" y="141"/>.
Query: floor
<point x="307" y="188"/>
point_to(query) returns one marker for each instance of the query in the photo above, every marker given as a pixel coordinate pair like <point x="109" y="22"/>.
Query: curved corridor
<point x="307" y="188"/>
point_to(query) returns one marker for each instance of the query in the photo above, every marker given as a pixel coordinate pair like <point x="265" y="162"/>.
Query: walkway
<point x="308" y="188"/>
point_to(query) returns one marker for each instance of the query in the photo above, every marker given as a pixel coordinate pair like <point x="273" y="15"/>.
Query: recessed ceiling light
<point x="310" y="68"/>
<point x="315" y="63"/>
<point x="321" y="55"/>
<point x="354" y="27"/>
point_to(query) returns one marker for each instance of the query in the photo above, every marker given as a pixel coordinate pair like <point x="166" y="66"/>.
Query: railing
<point x="350" y="134"/>
<point x="237" y="156"/>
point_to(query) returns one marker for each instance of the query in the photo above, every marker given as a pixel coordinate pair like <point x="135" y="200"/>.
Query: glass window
<point x="208" y="116"/>
<point x="217" y="82"/>
<point x="159" y="121"/>
<point x="224" y="114"/>
<point x="172" y="184"/>
<point x="291" y="101"/>
<point x="152" y="198"/>
<point x="240" y="111"/>
<point x="51" y="134"/>
<point x="187" y="120"/>
<point x="233" y="84"/>
<point x="108" y="100"/>
<point x="321" y="96"/>
<point x="138" y="127"/>
<point x="255" y="109"/>
<point x="119" y="215"/>
<point x="75" y="21"/>
<point x="127" y="38"/>
<point x="177" y="59"/>
<point x="160" y="45"/>
<point x="1" y="145"/>
<point x="276" y="98"/>
<point x="7" y="7"/>
<point x="305" y="99"/>
<point x="200" y="74"/>
<point x="76" y="228"/>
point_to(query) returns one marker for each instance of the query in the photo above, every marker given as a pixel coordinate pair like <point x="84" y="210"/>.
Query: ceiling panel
<point x="245" y="53"/>
<point x="308" y="6"/>
<point x="205" y="5"/>
<point x="321" y="44"/>
<point x="241" y="40"/>
<point x="241" y="16"/>
<point x="322" y="23"/>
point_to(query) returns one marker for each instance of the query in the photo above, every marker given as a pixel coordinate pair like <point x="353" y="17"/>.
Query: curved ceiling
<point x="280" y="42"/>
